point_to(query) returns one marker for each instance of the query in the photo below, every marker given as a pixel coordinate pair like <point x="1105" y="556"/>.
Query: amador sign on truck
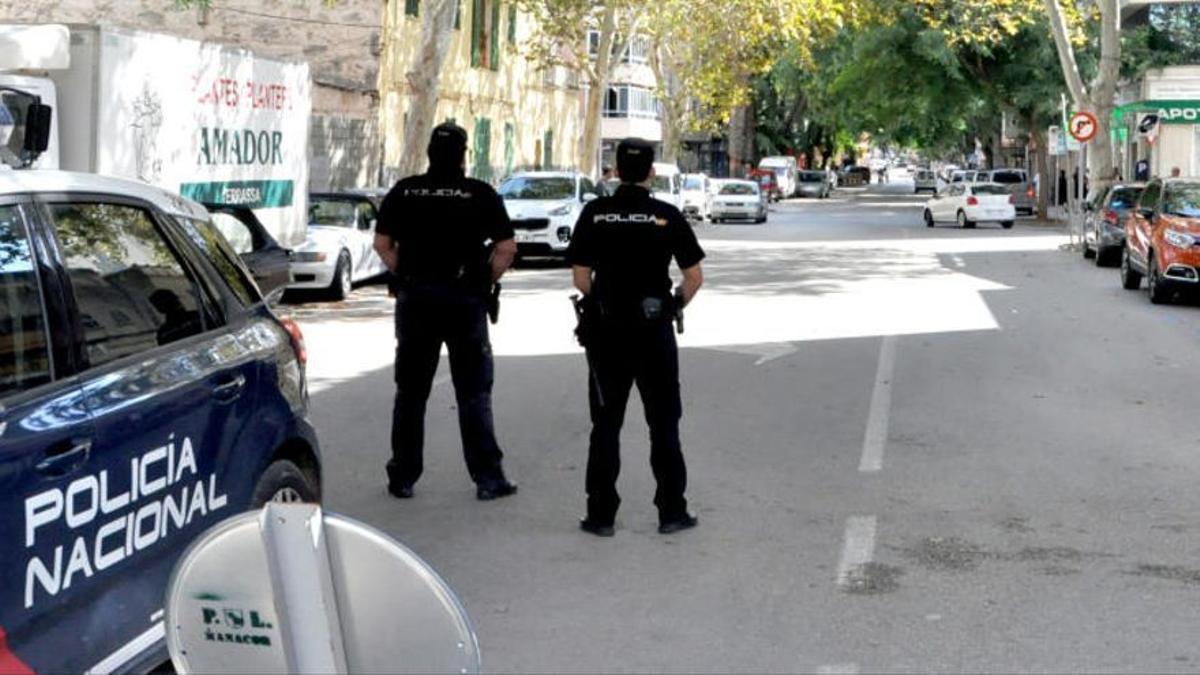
<point x="215" y="124"/>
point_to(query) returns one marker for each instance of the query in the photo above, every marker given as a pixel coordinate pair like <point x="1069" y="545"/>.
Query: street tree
<point x="562" y="39"/>
<point x="1100" y="96"/>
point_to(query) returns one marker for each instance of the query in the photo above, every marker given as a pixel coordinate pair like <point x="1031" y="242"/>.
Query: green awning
<point x="1169" y="112"/>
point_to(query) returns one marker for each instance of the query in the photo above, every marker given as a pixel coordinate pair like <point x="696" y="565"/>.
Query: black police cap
<point x="450" y="134"/>
<point x="635" y="157"/>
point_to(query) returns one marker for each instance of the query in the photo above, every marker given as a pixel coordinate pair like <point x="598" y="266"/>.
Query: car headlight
<point x="309" y="256"/>
<point x="1180" y="239"/>
<point x="563" y="210"/>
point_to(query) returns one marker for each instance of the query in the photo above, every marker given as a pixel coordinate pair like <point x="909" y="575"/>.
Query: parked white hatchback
<point x="543" y="207"/>
<point x="971" y="203"/>
<point x="696" y="199"/>
<point x="339" y="250"/>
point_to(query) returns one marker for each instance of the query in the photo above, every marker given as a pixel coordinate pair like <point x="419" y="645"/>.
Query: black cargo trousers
<point x="623" y="352"/>
<point x="428" y="316"/>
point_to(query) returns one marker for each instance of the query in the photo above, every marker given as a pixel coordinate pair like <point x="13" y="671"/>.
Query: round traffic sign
<point x="1084" y="126"/>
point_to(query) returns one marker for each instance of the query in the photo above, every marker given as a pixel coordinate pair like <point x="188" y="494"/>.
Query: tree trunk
<point x="598" y="77"/>
<point x="671" y="109"/>
<point x="424" y="82"/>
<point x="1045" y="180"/>
<point x="741" y="141"/>
<point x="1104" y="90"/>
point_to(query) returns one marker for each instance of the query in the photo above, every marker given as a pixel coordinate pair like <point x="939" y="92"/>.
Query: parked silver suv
<point x="1017" y="182"/>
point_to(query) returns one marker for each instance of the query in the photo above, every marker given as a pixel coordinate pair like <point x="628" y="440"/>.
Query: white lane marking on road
<point x="131" y="650"/>
<point x="881" y="404"/>
<point x="838" y="669"/>
<point x="443" y="379"/>
<point x="777" y="352"/>
<point x="857" y="549"/>
<point x="157" y="616"/>
<point x="958" y="262"/>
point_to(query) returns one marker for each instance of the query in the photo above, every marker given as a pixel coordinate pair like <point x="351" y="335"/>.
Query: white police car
<point x="544" y="207"/>
<point x="146" y="393"/>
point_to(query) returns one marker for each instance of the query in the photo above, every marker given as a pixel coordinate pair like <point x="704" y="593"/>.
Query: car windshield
<point x="1008" y="177"/>
<point x="331" y="212"/>
<point x="662" y="184"/>
<point x="1125" y="197"/>
<point x="989" y="190"/>
<point x="693" y="183"/>
<point x="1182" y="200"/>
<point x="812" y="177"/>
<point x="739" y="189"/>
<point x="548" y="187"/>
<point x="924" y="175"/>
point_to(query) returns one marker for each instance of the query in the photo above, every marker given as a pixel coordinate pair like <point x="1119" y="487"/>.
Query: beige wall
<point x="339" y="41"/>
<point x="515" y="94"/>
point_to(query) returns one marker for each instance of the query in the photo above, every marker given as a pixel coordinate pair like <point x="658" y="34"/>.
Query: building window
<point x="636" y="52"/>
<point x="485" y="32"/>
<point x="512" y="24"/>
<point x="458" y="15"/>
<point x="412" y="7"/>
<point x="630" y="101"/>
<point x="548" y="149"/>
<point x="483" y="147"/>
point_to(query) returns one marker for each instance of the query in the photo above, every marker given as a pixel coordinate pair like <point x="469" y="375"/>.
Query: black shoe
<point x="490" y="491"/>
<point x="596" y="528"/>
<point x="400" y="491"/>
<point x="685" y="522"/>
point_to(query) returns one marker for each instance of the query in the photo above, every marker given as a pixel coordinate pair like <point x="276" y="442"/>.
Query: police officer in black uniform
<point x="433" y="233"/>
<point x="620" y="255"/>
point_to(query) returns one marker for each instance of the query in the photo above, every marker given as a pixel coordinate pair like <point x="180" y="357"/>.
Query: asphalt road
<point x="910" y="450"/>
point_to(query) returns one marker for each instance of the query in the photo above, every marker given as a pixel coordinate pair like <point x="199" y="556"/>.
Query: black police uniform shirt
<point x="442" y="224"/>
<point x="628" y="240"/>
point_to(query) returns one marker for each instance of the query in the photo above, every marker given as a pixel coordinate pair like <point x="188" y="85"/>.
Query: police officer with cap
<point x="620" y="255"/>
<point x="434" y="232"/>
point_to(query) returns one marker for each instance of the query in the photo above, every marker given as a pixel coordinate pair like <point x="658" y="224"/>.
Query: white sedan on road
<point x="339" y="250"/>
<point x="738" y="200"/>
<point x="543" y="207"/>
<point x="971" y="203"/>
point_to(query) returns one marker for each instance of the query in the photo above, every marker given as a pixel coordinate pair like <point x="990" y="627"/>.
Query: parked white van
<point x="667" y="184"/>
<point x="785" y="173"/>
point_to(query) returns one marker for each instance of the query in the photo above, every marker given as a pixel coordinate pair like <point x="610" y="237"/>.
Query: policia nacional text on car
<point x="620" y="255"/>
<point x="432" y="233"/>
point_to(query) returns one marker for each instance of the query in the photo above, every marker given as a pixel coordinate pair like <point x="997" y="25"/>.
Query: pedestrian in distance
<point x="432" y="233"/>
<point x="620" y="256"/>
<point x="1175" y="172"/>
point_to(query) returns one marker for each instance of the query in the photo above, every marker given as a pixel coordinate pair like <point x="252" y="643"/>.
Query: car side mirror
<point x="37" y="128"/>
<point x="589" y="197"/>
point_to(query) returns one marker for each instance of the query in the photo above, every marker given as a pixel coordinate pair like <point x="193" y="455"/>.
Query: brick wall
<point x="339" y="41"/>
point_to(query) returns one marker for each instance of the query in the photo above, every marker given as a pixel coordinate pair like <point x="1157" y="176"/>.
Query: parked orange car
<point x="1162" y="239"/>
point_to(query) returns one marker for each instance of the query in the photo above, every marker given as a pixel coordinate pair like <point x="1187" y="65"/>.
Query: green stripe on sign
<point x="255" y="194"/>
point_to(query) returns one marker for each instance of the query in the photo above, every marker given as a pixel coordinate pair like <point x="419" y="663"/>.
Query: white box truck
<point x="213" y="123"/>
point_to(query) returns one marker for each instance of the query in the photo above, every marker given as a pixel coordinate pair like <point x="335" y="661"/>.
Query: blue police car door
<point x="45" y="441"/>
<point x="165" y="387"/>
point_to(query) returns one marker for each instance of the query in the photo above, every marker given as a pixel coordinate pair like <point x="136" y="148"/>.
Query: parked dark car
<point x="146" y="393"/>
<point x="1104" y="221"/>
<point x="269" y="262"/>
<point x="854" y="176"/>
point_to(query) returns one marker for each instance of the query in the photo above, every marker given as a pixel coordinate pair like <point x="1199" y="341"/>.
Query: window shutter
<point x="509" y="149"/>
<point x="483" y="143"/>
<point x="457" y="14"/>
<point x="512" y="24"/>
<point x="412" y="7"/>
<point x="548" y="149"/>
<point x="476" y="33"/>
<point x="494" y="37"/>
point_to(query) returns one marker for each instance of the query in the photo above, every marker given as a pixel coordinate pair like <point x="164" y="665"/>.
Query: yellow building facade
<point x="517" y="115"/>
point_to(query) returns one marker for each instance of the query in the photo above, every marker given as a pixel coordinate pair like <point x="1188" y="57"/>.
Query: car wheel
<point x="1131" y="279"/>
<point x="341" y="285"/>
<point x="1006" y="224"/>
<point x="1104" y="256"/>
<point x="1160" y="294"/>
<point x="928" y="218"/>
<point x="963" y="222"/>
<point x="1088" y="253"/>
<point x="284" y="482"/>
<point x="760" y="220"/>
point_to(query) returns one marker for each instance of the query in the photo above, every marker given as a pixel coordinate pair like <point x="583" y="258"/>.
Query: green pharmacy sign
<point x="254" y="194"/>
